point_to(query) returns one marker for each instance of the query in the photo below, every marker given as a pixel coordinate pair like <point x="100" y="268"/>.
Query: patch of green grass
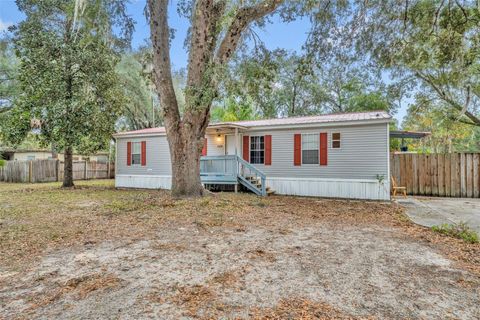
<point x="259" y="203"/>
<point x="460" y="230"/>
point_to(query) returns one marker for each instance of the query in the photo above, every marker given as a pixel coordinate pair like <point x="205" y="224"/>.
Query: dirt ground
<point x="97" y="252"/>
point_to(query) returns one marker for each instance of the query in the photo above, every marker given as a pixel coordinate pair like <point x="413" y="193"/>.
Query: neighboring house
<point x="336" y="155"/>
<point x="98" y="157"/>
<point x="25" y="154"/>
<point x="41" y="154"/>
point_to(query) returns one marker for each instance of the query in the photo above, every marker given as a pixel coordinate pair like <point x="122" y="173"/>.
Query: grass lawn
<point x="97" y="252"/>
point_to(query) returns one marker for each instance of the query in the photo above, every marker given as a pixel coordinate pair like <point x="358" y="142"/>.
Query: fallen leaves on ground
<point x="37" y="217"/>
<point x="301" y="309"/>
<point x="80" y="288"/>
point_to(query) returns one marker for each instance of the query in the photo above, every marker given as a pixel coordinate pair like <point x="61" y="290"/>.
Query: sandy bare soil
<point x="266" y="259"/>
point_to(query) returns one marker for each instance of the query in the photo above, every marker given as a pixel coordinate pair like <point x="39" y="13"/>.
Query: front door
<point x="230" y="144"/>
<point x="230" y="151"/>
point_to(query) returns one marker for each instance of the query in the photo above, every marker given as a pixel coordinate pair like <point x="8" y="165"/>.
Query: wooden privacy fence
<point x="444" y="175"/>
<point x="52" y="170"/>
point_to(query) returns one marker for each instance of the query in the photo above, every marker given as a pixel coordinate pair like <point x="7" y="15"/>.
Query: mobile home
<point x="335" y="155"/>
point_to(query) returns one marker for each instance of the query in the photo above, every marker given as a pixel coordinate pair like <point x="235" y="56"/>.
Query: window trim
<point x="302" y="149"/>
<point x="133" y="153"/>
<point x="251" y="149"/>
<point x="339" y="140"/>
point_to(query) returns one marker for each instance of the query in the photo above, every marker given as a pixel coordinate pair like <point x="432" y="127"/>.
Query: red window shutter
<point x="297" y="149"/>
<point x="323" y="149"/>
<point x="144" y="153"/>
<point x="204" y="150"/>
<point x="129" y="153"/>
<point x="268" y="150"/>
<point x="246" y="148"/>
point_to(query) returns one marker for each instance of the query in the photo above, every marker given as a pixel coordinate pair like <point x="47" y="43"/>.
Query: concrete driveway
<point x="428" y="212"/>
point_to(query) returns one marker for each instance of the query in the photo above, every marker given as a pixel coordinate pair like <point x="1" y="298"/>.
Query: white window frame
<point x="251" y="149"/>
<point x="339" y="140"/>
<point x="135" y="153"/>
<point x="302" y="148"/>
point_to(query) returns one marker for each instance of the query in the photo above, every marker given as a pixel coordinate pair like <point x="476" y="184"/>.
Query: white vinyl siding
<point x="310" y="146"/>
<point x="362" y="154"/>
<point x="158" y="156"/>
<point x="215" y="145"/>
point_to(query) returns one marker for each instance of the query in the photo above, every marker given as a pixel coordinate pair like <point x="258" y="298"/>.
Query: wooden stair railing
<point x="252" y="178"/>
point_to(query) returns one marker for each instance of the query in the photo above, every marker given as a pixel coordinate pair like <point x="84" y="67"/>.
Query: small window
<point x="257" y="150"/>
<point x="310" y="148"/>
<point x="136" y="152"/>
<point x="336" y="140"/>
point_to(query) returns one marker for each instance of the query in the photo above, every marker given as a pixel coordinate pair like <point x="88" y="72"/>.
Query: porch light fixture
<point x="219" y="141"/>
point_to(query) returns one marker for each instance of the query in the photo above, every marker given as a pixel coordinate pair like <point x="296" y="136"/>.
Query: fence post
<point x="30" y="169"/>
<point x="85" y="171"/>
<point x="57" y="167"/>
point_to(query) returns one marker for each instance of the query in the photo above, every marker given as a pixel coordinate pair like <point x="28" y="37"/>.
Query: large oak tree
<point x="216" y="30"/>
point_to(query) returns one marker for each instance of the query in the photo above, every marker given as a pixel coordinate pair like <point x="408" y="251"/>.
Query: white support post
<point x="236" y="142"/>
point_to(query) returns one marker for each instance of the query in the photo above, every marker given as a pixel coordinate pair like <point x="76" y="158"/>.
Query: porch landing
<point x="233" y="170"/>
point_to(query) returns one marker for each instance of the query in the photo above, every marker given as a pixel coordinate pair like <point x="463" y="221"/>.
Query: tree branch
<point x="203" y="38"/>
<point x="467" y="102"/>
<point x="474" y="119"/>
<point x="5" y="109"/>
<point x="242" y="19"/>
<point x="199" y="91"/>
<point x="160" y="35"/>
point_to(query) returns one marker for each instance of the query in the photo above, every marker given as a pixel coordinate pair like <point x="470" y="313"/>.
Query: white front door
<point x="230" y="144"/>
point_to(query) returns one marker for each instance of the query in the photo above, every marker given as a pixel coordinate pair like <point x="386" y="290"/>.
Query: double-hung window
<point x="310" y="145"/>
<point x="257" y="150"/>
<point x="136" y="153"/>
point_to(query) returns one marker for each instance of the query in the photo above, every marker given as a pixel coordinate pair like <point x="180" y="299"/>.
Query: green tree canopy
<point x="435" y="44"/>
<point x="69" y="88"/>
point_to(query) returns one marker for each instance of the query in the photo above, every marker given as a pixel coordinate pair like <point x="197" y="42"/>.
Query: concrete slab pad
<point x="428" y="211"/>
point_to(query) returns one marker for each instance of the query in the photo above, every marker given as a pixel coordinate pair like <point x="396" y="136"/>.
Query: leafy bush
<point x="460" y="230"/>
<point x="2" y="163"/>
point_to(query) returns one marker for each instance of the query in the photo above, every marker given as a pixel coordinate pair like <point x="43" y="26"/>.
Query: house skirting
<point x="314" y="187"/>
<point x="331" y="188"/>
<point x="143" y="181"/>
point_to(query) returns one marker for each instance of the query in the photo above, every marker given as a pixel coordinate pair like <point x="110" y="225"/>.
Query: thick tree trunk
<point x="185" y="157"/>
<point x="68" y="168"/>
<point x="186" y="134"/>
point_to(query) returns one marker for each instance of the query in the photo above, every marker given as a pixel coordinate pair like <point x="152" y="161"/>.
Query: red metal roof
<point x="335" y="117"/>
<point x="325" y="118"/>
<point x="142" y="131"/>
